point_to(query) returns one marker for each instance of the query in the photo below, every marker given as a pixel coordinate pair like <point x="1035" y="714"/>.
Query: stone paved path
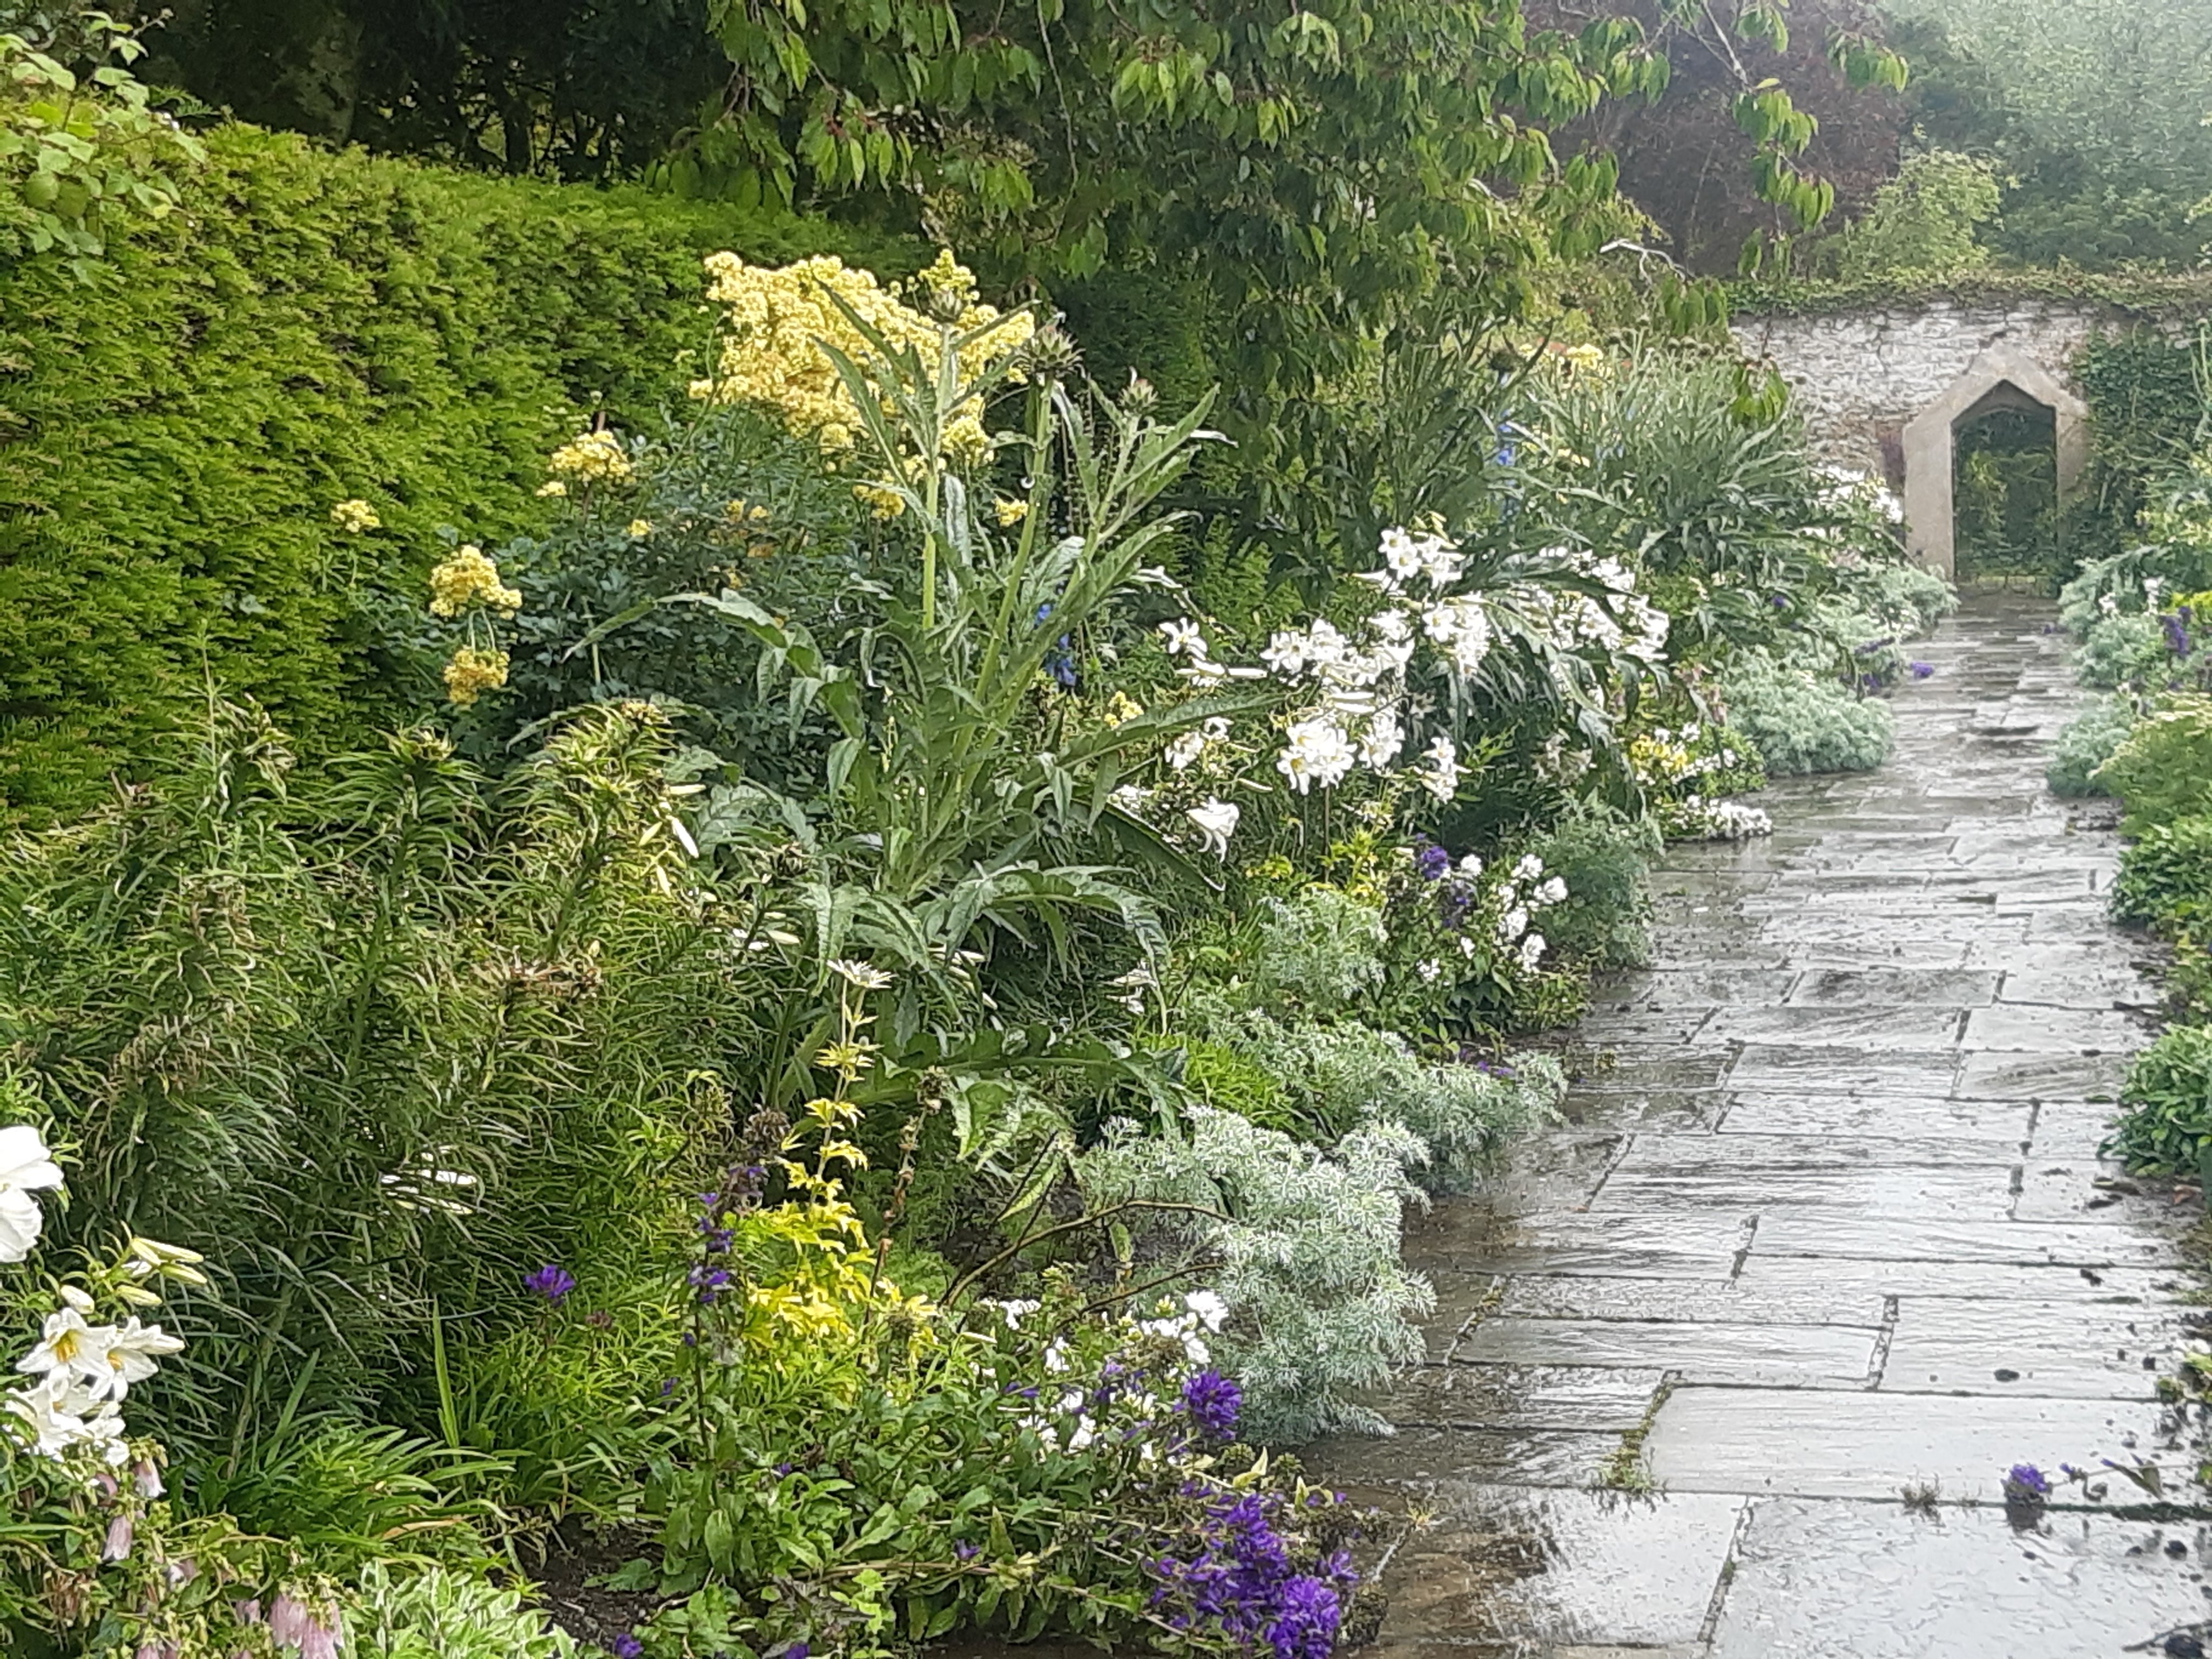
<point x="1829" y="1224"/>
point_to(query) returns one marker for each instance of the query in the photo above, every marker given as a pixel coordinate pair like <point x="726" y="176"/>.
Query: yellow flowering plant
<point x="784" y="331"/>
<point x="466" y="586"/>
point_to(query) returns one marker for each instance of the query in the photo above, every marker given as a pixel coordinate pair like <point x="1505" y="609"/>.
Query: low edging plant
<point x="2165" y="1126"/>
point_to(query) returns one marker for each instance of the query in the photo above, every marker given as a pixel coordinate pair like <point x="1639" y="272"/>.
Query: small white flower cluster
<point x="1359" y="720"/>
<point x="1073" y="1422"/>
<point x="1199" y="668"/>
<point x="1527" y="891"/>
<point x="1696" y="819"/>
<point x="1568" y="620"/>
<point x="80" y="1372"/>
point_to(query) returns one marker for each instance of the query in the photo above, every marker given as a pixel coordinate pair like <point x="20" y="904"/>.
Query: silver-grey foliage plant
<point x="1301" y="1243"/>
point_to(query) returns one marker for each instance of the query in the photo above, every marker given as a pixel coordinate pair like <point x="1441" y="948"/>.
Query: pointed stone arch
<point x="2003" y="376"/>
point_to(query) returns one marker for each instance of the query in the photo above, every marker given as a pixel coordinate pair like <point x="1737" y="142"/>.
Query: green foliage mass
<point x="1605" y="860"/>
<point x="1802" y="722"/>
<point x="375" y="1046"/>
<point x="2163" y="770"/>
<point x="2093" y="111"/>
<point x="2084" y="744"/>
<point x="2166" y="1125"/>
<point x="309" y="328"/>
<point x="1923" y="224"/>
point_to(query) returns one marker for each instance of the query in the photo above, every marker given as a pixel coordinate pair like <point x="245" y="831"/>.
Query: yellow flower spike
<point x="593" y="458"/>
<point x="1009" y="513"/>
<point x="881" y="499"/>
<point x="355" y="516"/>
<point x="473" y="672"/>
<point x="553" y="487"/>
<point x="638" y="529"/>
<point x="466" y="579"/>
<point x="777" y="321"/>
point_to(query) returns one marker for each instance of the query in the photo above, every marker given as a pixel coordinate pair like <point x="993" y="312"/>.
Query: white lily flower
<point x="1182" y="637"/>
<point x="1531" y="953"/>
<point x="1380" y="744"/>
<point x="1531" y="868"/>
<point x="1217" y="821"/>
<point x="1285" y="655"/>
<point x="1317" y="752"/>
<point x="1512" y="925"/>
<point x="25" y="1167"/>
<point x="1184" y="750"/>
<point x="128" y="1355"/>
<point x="1554" y="891"/>
<point x="1401" y="556"/>
<point x="1441" y="779"/>
<point x="69" y="1346"/>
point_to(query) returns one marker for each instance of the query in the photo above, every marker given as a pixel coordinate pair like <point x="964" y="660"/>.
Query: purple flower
<point x="964" y="1550"/>
<point x="552" y="1282"/>
<point x="709" y="1282"/>
<point x="2024" y="1482"/>
<point x="1305" y="1626"/>
<point x="1431" y="862"/>
<point x="1212" y="1401"/>
<point x="1920" y="670"/>
<point x="625" y="1646"/>
<point x="2177" y="636"/>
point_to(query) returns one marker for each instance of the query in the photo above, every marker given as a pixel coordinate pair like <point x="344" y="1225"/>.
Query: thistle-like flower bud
<point x="1142" y="397"/>
<point x="1050" y="354"/>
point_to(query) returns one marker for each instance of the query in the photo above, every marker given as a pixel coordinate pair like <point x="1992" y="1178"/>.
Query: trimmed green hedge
<point x="315" y="327"/>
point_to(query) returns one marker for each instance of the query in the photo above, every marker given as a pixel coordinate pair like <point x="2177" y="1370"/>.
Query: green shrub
<point x="2127" y="648"/>
<point x="430" y="1038"/>
<point x="2165" y="1126"/>
<point x="1605" y="921"/>
<point x="2166" y="876"/>
<point x="310" y="328"/>
<point x="433" y="1612"/>
<point x="2162" y="770"/>
<point x="1802" y="722"/>
<point x="1903" y="599"/>
<point x="2084" y="744"/>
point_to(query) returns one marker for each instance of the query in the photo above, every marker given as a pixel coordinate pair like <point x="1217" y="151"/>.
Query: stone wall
<point x="1861" y="376"/>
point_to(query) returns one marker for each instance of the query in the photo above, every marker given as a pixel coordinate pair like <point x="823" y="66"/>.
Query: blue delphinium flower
<point x="1920" y="670"/>
<point x="550" y="1281"/>
<point x="1431" y="862"/>
<point x="2024" y="1482"/>
<point x="2177" y="636"/>
<point x="1212" y="1401"/>
<point x="625" y="1646"/>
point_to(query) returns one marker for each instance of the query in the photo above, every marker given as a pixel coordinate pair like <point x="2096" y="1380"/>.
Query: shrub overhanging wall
<point x="314" y="326"/>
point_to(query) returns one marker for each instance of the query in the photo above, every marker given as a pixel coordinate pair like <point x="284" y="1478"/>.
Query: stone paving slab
<point x="1989" y="1125"/>
<point x="1559" y="1394"/>
<point x="1906" y="1192"/>
<point x="1862" y="1581"/>
<point x="1919" y="1239"/>
<point x="1814" y="1442"/>
<point x="1817" y="1280"/>
<point x="1724" y="1301"/>
<point x="1789" y="1355"/>
<point x="2066" y="1349"/>
<point x="1561" y="1568"/>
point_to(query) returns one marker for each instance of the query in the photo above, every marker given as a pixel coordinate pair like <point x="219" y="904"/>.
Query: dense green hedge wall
<point x="315" y="327"/>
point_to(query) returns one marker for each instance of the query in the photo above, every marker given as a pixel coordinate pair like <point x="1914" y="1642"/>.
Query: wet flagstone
<point x="1825" y="1221"/>
<point x="1853" y="1581"/>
